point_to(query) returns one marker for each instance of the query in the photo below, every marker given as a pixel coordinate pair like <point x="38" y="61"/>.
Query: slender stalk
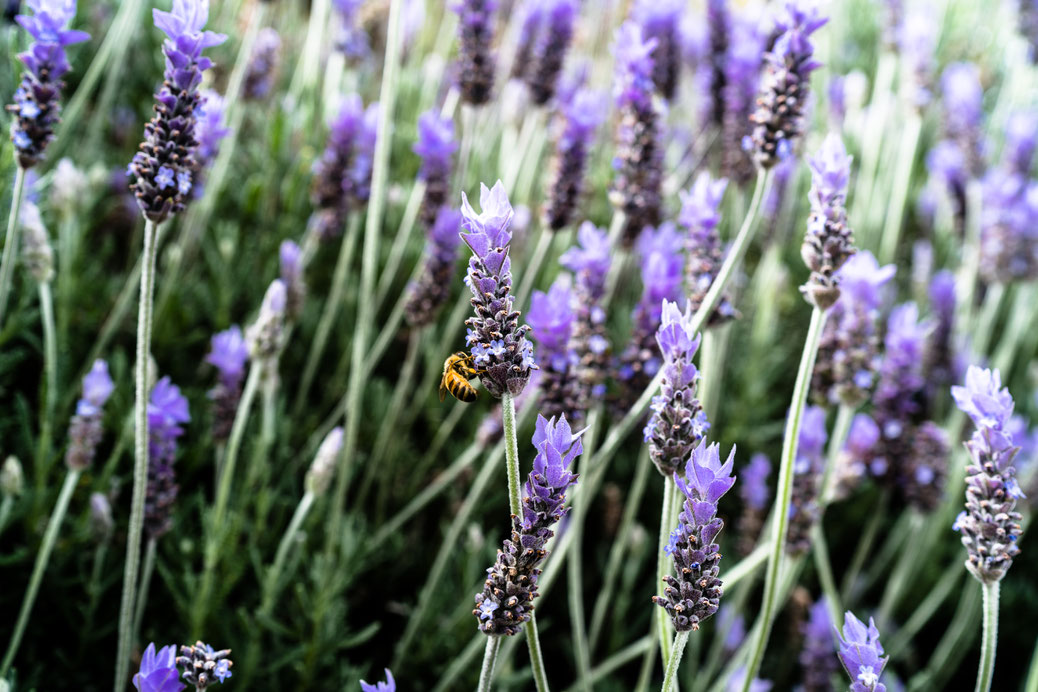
<point x="861" y="553"/>
<point x="486" y="673"/>
<point x="667" y="513"/>
<point x="670" y="677"/>
<point x="925" y="610"/>
<point x="824" y="569"/>
<point x="369" y="266"/>
<point x="842" y="426"/>
<point x="785" y="489"/>
<point x="5" y="510"/>
<point x="270" y="584"/>
<point x="900" y="578"/>
<point x="533" y="640"/>
<point x="986" y="671"/>
<point x="515" y="499"/>
<point x="42" y="558"/>
<point x="14" y="231"/>
<point x="140" y="455"/>
<point x="403" y="234"/>
<point x="1032" y="674"/>
<point x="50" y="366"/>
<point x="901" y="185"/>
<point x="142" y="593"/>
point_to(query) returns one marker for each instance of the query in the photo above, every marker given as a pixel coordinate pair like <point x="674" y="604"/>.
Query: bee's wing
<point x="443" y="389"/>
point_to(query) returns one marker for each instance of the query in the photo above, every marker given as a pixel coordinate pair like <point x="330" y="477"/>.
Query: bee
<point x="457" y="371"/>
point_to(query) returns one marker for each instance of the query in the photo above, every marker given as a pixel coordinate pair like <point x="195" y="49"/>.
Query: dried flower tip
<point x="320" y="474"/>
<point x="12" y="480"/>
<point x="266" y="336"/>
<point x="37" y="253"/>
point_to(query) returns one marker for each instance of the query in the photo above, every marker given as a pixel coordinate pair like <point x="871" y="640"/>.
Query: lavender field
<point x="519" y="344"/>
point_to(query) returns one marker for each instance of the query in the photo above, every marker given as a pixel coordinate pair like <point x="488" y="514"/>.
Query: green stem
<point x="864" y="549"/>
<point x="42" y="558"/>
<point x="842" y="426"/>
<point x="270" y="584"/>
<point x="1032" y="674"/>
<point x="486" y="673"/>
<point x="533" y="641"/>
<point x="575" y="591"/>
<point x="369" y="266"/>
<point x="14" y="230"/>
<point x="986" y="671"/>
<point x="142" y="593"/>
<point x="50" y="363"/>
<point x="785" y="489"/>
<point x="900" y="579"/>
<point x="140" y="455"/>
<point x="670" y="678"/>
<point x="515" y="500"/>
<point x="933" y="601"/>
<point x="667" y="513"/>
<point x="5" y="510"/>
<point x="901" y="185"/>
<point x="825" y="571"/>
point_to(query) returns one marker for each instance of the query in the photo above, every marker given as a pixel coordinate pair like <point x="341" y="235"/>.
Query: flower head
<point x="582" y="114"/>
<point x="266" y="336"/>
<point x="432" y="288"/>
<point x="290" y="265"/>
<point x="167" y="413"/>
<point x="85" y="429"/>
<point x="862" y="654"/>
<point x="228" y="352"/>
<point x="319" y="476"/>
<point x="203" y="665"/>
<point x="816" y="656"/>
<point x="158" y="671"/>
<point x="476" y="61"/>
<point x="660" y="21"/>
<point x="828" y="242"/>
<point x="701" y="215"/>
<point x="388" y="686"/>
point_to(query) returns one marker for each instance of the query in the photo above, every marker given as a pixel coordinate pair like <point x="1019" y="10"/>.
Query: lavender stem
<point x="140" y="455"/>
<point x="486" y="674"/>
<point x="533" y="640"/>
<point x="785" y="491"/>
<point x="900" y="187"/>
<point x="14" y="229"/>
<point x="50" y="364"/>
<point x="663" y="561"/>
<point x="670" y="678"/>
<point x="42" y="558"/>
<point x="142" y="592"/>
<point x="842" y="426"/>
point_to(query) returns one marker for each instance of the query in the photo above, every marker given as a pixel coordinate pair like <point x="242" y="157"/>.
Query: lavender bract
<point x="476" y="60"/>
<point x="167" y="412"/>
<point x="581" y="114"/>
<point x="163" y="168"/>
<point x="319" y="475"/>
<point x="266" y="336"/>
<point x="436" y="146"/>
<point x="695" y="594"/>
<point x="700" y="216"/>
<point x="85" y="429"/>
<point x="432" y="289"/>
<point x="507" y="597"/>
<point x="678" y="422"/>
<point x="228" y="353"/>
<point x="158" y="671"/>
<point x="990" y="524"/>
<point x="290" y="266"/>
<point x="36" y="109"/>
<point x="828" y="242"/>
<point x="496" y="339"/>
<point x="37" y="255"/>
<point x="861" y="654"/>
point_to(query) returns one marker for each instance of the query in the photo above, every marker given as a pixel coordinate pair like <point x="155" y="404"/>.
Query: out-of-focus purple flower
<point x="203" y="665"/>
<point x="917" y="43"/>
<point x="263" y="65"/>
<point x="551" y="317"/>
<point x="736" y="682"/>
<point x="807" y="469"/>
<point x="170" y="138"/>
<point x="333" y="191"/>
<point x="662" y="272"/>
<point x="101" y="522"/>
<point x="947" y="164"/>
<point x="550" y="47"/>
<point x="700" y="216"/>
<point x="678" y="423"/>
<point x="209" y="131"/>
<point x="660" y="20"/>
<point x="695" y="594"/>
<point x="944" y="363"/>
<point x="732" y="626"/>
<point x="638" y="162"/>
<point x="816" y="656"/>
<point x="476" y="60"/>
<point x="1027" y="13"/>
<point x="266" y="336"/>
<point x="754" y="491"/>
<point x="1021" y="139"/>
<point x="829" y="242"/>
<point x="507" y="597"/>
<point x="432" y="289"/>
<point x="963" y="98"/>
<point x="228" y="353"/>
<point x="778" y="118"/>
<point x="581" y="114"/>
<point x="352" y="41"/>
<point x="167" y="413"/>
<point x="861" y="654"/>
<point x="496" y="339"/>
<point x="290" y="265"/>
<point x="436" y="146"/>
<point x="158" y="671"/>
<point x="848" y="354"/>
<point x="364" y="155"/>
<point x="529" y="30"/>
<point x="990" y="524"/>
<point x="36" y="109"/>
<point x="85" y="429"/>
<point x="720" y="43"/>
<point x="741" y="72"/>
<point x="1009" y="226"/>
<point x="388" y="686"/>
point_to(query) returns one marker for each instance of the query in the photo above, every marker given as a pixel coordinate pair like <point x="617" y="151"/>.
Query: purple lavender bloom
<point x="694" y="596"/>
<point x="263" y="65"/>
<point x="170" y="139"/>
<point x="203" y="665"/>
<point x="639" y="155"/>
<point x="290" y="264"/>
<point x="943" y="361"/>
<point x="659" y="20"/>
<point x="733" y="626"/>
<point x="946" y="163"/>
<point x="1021" y="140"/>
<point x="990" y="524"/>
<point x="857" y="449"/>
<point x="700" y="216"/>
<point x="333" y="191"/>
<point x="848" y="354"/>
<point x="741" y="72"/>
<point x="755" y="492"/>
<point x="364" y="154"/>
<point x="861" y="654"/>
<point x="551" y="319"/>
<point x="36" y="109"/>
<point x="1009" y="227"/>
<point x="388" y="686"/>
<point x="828" y="242"/>
<point x="158" y="671"/>
<point x="85" y="429"/>
<point x="720" y="32"/>
<point x="678" y="422"/>
<point x="549" y="50"/>
<point x="529" y="30"/>
<point x="352" y="41"/>
<point x="662" y="270"/>
<point x="266" y="336"/>
<point x="167" y="412"/>
<point x="816" y="656"/>
<point x="432" y="289"/>
<point x="436" y="146"/>
<point x="807" y="470"/>
<point x="1027" y="13"/>
<point x="497" y="341"/>
<point x="228" y="353"/>
<point x="209" y="131"/>
<point x="964" y="112"/>
<point x="917" y="43"/>
<point x="511" y="585"/>
<point x="582" y="114"/>
<point x="476" y="60"/>
<point x="735" y="683"/>
<point x="778" y="119"/>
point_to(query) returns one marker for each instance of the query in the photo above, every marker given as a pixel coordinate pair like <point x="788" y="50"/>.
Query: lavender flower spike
<point x="816" y="658"/>
<point x="807" y="470"/>
<point x="266" y="336"/>
<point x="290" y="264"/>
<point x="476" y="61"/>
<point x="263" y="64"/>
<point x="778" y="119"/>
<point x="741" y="75"/>
<point x="209" y="131"/>
<point x="163" y="167"/>
<point x="507" y="597"/>
<point x="433" y="288"/>
<point x="85" y="428"/>
<point x="550" y="50"/>
<point x="167" y="412"/>
<point x="332" y="192"/>
<point x="720" y="34"/>
<point x="861" y="654"/>
<point x="828" y="242"/>
<point x="659" y="20"/>
<point x="678" y="422"/>
<point x="582" y="115"/>
<point x="990" y="524"/>
<point x="755" y="493"/>
<point x="694" y="595"/>
<point x="228" y="352"/>
<point x="36" y="108"/>
<point x="388" y="686"/>
<point x="964" y="112"/>
<point x="700" y="215"/>
<point x="639" y="154"/>
<point x="496" y="339"/>
<point x="158" y="671"/>
<point x="203" y="665"/>
<point x="551" y="319"/>
<point x="435" y="146"/>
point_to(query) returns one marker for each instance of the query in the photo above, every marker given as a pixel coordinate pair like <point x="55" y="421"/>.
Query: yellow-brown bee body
<point x="457" y="371"/>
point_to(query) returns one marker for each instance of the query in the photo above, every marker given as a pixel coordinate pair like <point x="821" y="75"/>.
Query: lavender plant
<point x="862" y="655"/>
